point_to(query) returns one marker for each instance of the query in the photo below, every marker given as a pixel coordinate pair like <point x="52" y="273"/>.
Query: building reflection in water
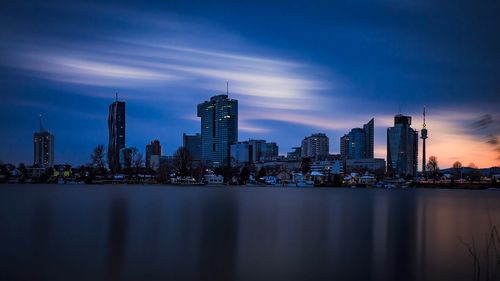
<point x="117" y="236"/>
<point x="218" y="238"/>
<point x="159" y="233"/>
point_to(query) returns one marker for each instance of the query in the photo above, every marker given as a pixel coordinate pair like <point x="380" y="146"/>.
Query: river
<point x="127" y="232"/>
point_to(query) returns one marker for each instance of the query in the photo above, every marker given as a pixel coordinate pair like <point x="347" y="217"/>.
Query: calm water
<point x="169" y="233"/>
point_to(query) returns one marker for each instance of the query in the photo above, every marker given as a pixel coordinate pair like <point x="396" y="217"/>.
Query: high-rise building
<point x="116" y="128"/>
<point x="369" y="129"/>
<point x="315" y="146"/>
<point x="193" y="145"/>
<point x="402" y="147"/>
<point x="258" y="149"/>
<point x="270" y="151"/>
<point x="253" y="151"/>
<point x="344" y="146"/>
<point x="43" y="148"/>
<point x="242" y="152"/>
<point x="219" y="129"/>
<point x="153" y="149"/>
<point x="358" y="144"/>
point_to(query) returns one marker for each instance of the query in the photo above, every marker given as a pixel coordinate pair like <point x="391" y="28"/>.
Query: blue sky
<point x="296" y="68"/>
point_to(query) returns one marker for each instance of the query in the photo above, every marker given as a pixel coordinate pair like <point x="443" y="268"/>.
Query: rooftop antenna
<point x="116" y="96"/>
<point x="399" y="108"/>
<point x="424" y="116"/>
<point x="40" y="122"/>
<point x="227" y="88"/>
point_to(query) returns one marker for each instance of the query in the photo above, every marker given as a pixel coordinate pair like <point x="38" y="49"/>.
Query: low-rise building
<point x="371" y="165"/>
<point x="327" y="167"/>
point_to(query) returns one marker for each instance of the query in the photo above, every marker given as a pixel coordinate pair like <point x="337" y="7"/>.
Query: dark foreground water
<point x="217" y="233"/>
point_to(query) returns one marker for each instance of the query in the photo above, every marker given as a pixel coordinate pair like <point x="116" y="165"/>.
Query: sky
<point x="296" y="68"/>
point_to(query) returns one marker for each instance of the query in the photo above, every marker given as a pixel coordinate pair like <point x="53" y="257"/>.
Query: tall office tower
<point x="152" y="149"/>
<point x="43" y="142"/>
<point x="116" y="127"/>
<point x="402" y="147"/>
<point x="424" y="137"/>
<point x="219" y="129"/>
<point x="193" y="145"/>
<point x="315" y="146"/>
<point x="369" y="129"/>
<point x="344" y="146"/>
<point x="358" y="144"/>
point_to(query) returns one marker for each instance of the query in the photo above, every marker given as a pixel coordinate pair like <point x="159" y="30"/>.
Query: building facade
<point x="371" y="165"/>
<point x="241" y="153"/>
<point x="271" y="151"/>
<point x="116" y="128"/>
<point x="358" y="143"/>
<point x="315" y="146"/>
<point x="152" y="149"/>
<point x="193" y="144"/>
<point x="402" y="147"/>
<point x="219" y="129"/>
<point x="43" y="143"/>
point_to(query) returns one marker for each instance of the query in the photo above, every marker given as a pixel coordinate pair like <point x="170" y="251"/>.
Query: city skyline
<point x="289" y="86"/>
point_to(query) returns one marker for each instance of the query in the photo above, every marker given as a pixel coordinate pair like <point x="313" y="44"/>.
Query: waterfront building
<point x="219" y="128"/>
<point x="253" y="151"/>
<point x="402" y="147"/>
<point x="295" y="154"/>
<point x="371" y="165"/>
<point x="193" y="144"/>
<point x="152" y="149"/>
<point x="242" y="153"/>
<point x="124" y="158"/>
<point x="327" y="167"/>
<point x="154" y="162"/>
<point x="344" y="146"/>
<point x="43" y="148"/>
<point x="358" y="143"/>
<point x="315" y="146"/>
<point x="369" y="130"/>
<point x="258" y="149"/>
<point x="116" y="129"/>
<point x="270" y="151"/>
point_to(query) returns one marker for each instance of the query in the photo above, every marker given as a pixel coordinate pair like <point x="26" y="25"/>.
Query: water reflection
<point x="117" y="237"/>
<point x="218" y="239"/>
<point x="165" y="233"/>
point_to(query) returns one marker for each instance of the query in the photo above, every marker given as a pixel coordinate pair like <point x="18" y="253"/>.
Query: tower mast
<point x="424" y="137"/>
<point x="40" y="122"/>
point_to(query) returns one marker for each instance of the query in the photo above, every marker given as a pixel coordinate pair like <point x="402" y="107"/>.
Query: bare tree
<point x="182" y="159"/>
<point x="474" y="174"/>
<point x="136" y="157"/>
<point x="98" y="157"/>
<point x="432" y="167"/>
<point x="457" y="169"/>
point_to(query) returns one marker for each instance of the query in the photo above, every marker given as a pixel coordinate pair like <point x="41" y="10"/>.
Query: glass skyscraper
<point x="193" y="145"/>
<point x="358" y="144"/>
<point x="116" y="127"/>
<point x="402" y="147"/>
<point x="219" y="129"/>
<point x="43" y="142"/>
